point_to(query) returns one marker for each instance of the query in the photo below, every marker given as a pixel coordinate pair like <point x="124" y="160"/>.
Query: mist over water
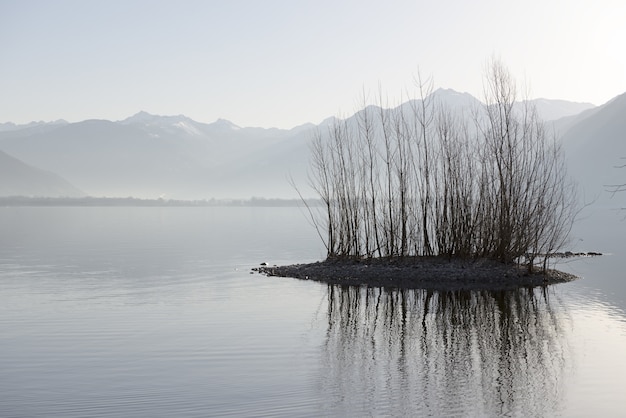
<point x="154" y="312"/>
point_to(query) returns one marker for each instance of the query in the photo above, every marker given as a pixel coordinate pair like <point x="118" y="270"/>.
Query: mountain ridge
<point x="20" y="179"/>
<point x="568" y="108"/>
<point x="148" y="156"/>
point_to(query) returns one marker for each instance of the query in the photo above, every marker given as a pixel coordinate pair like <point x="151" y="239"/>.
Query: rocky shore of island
<point x="432" y="273"/>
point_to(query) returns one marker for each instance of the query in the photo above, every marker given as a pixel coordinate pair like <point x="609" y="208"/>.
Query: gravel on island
<point x="431" y="273"/>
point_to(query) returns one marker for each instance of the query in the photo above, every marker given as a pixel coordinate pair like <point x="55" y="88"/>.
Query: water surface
<point x="154" y="312"/>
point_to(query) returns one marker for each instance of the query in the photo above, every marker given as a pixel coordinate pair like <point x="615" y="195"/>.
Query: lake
<point x="123" y="312"/>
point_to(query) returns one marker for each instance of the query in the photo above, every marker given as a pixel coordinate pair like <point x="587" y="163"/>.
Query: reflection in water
<point x="417" y="352"/>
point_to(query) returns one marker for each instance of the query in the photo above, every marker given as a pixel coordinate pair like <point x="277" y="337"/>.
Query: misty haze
<point x="312" y="209"/>
<point x="173" y="157"/>
<point x="170" y="290"/>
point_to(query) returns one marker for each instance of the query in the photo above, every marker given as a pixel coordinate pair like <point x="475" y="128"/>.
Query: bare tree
<point x="617" y="188"/>
<point x="420" y="180"/>
<point x="535" y="201"/>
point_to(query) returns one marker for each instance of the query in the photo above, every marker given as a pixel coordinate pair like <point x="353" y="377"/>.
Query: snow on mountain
<point x="148" y="122"/>
<point x="187" y="124"/>
<point x="223" y="124"/>
<point x="149" y="155"/>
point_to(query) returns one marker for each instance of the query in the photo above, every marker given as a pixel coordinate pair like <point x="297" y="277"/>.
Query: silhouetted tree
<point x="422" y="179"/>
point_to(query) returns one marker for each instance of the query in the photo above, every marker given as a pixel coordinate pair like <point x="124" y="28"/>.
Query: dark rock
<point x="434" y="273"/>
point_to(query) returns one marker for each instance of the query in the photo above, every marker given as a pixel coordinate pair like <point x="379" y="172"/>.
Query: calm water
<point x="153" y="312"/>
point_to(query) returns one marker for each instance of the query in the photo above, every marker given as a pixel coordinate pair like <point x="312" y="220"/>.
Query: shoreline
<point x="94" y="201"/>
<point x="429" y="273"/>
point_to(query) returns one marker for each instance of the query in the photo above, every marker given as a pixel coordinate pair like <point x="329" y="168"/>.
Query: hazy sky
<point x="283" y="63"/>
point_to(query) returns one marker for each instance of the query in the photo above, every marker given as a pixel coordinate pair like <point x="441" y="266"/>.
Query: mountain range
<point x="18" y="178"/>
<point x="150" y="156"/>
<point x="595" y="144"/>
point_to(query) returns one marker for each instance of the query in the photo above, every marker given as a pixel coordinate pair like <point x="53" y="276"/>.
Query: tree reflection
<point x="439" y="353"/>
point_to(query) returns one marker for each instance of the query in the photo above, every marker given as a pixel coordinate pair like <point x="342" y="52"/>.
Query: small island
<point x="427" y="196"/>
<point x="430" y="273"/>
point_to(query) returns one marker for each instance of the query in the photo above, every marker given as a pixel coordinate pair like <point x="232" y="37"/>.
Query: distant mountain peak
<point x="142" y="114"/>
<point x="454" y="98"/>
<point x="10" y="126"/>
<point x="148" y="119"/>
<point x="553" y="109"/>
<point x="451" y="92"/>
<point x="224" y="124"/>
<point x="140" y="117"/>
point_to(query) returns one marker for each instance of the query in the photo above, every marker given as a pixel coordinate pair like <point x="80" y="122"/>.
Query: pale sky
<point x="282" y="63"/>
